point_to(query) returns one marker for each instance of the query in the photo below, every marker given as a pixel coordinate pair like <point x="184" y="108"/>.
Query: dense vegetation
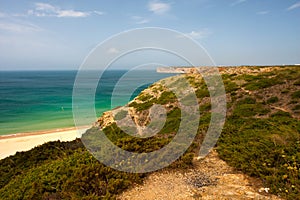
<point x="261" y="137"/>
<point x="60" y="171"/>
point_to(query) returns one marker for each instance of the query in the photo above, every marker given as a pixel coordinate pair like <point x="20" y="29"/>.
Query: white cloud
<point x="237" y="2"/>
<point x="45" y="7"/>
<point x="200" y="34"/>
<point x="98" y="12"/>
<point x="294" y="6"/>
<point x="140" y="20"/>
<point x="19" y="27"/>
<point x="72" y="13"/>
<point x="159" y="8"/>
<point x="112" y="50"/>
<point x="264" y="12"/>
<point x="48" y="10"/>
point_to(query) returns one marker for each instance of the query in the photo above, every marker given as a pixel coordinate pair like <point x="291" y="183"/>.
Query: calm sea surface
<point x="42" y="100"/>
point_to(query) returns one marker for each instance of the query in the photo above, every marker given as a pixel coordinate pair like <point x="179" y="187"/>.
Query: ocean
<point x="42" y="100"/>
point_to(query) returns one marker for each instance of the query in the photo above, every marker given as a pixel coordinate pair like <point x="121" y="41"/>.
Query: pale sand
<point x="10" y="144"/>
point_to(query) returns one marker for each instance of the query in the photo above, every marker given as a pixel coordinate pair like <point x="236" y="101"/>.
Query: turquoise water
<point x="42" y="100"/>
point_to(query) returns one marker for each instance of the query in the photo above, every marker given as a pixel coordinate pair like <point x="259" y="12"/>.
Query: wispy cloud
<point x="72" y="13"/>
<point x="199" y="34"/>
<point x="98" y="12"/>
<point x="48" y="10"/>
<point x="237" y="2"/>
<point x="19" y="27"/>
<point x="158" y="7"/>
<point x="294" y="6"/>
<point x="140" y="20"/>
<point x="45" y="7"/>
<point x="264" y="12"/>
<point x="113" y="50"/>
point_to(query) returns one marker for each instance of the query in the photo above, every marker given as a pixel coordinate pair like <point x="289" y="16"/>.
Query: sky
<point x="43" y="35"/>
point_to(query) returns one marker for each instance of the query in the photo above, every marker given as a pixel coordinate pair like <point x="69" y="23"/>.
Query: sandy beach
<point x="10" y="144"/>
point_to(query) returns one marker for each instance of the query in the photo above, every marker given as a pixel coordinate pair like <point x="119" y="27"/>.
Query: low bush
<point x="272" y="100"/>
<point x="266" y="148"/>
<point x="262" y="83"/>
<point x="296" y="95"/>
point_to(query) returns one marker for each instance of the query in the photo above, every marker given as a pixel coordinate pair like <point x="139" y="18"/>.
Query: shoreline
<point x="41" y="132"/>
<point x="13" y="143"/>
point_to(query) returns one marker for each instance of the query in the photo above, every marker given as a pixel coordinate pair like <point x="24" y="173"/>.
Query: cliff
<point x="260" y="82"/>
<point x="256" y="155"/>
<point x="256" y="96"/>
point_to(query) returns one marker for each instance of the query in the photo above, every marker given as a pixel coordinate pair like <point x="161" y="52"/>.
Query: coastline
<point x="41" y="132"/>
<point x="13" y="143"/>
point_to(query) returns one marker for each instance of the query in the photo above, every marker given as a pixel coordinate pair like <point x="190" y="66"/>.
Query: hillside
<point x="260" y="138"/>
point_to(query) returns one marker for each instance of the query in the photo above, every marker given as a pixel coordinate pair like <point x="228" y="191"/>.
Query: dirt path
<point x="211" y="179"/>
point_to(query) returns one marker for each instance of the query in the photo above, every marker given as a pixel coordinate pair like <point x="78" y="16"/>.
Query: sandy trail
<point x="210" y="179"/>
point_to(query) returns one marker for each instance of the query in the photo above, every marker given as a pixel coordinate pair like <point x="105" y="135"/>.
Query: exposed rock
<point x="105" y="120"/>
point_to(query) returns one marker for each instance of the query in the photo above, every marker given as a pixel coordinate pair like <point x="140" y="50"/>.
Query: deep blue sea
<point x="42" y="100"/>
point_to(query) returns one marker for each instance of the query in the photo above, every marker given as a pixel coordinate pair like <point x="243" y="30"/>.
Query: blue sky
<point x="60" y="34"/>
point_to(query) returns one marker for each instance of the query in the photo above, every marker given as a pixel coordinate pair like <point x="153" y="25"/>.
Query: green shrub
<point x="281" y="114"/>
<point x="296" y="95"/>
<point x="144" y="97"/>
<point x="166" y="97"/>
<point x="22" y="162"/>
<point x="230" y="86"/>
<point x="201" y="93"/>
<point x="285" y="91"/>
<point x="248" y="77"/>
<point x="72" y="177"/>
<point x="296" y="107"/>
<point x="262" y="83"/>
<point x="206" y="107"/>
<point x="143" y="106"/>
<point x="297" y="82"/>
<point x="265" y="148"/>
<point x="247" y="100"/>
<point x="195" y="81"/>
<point x="272" y="100"/>
<point x="250" y="110"/>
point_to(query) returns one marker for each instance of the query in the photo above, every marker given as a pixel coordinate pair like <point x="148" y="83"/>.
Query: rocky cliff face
<point x="139" y="108"/>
